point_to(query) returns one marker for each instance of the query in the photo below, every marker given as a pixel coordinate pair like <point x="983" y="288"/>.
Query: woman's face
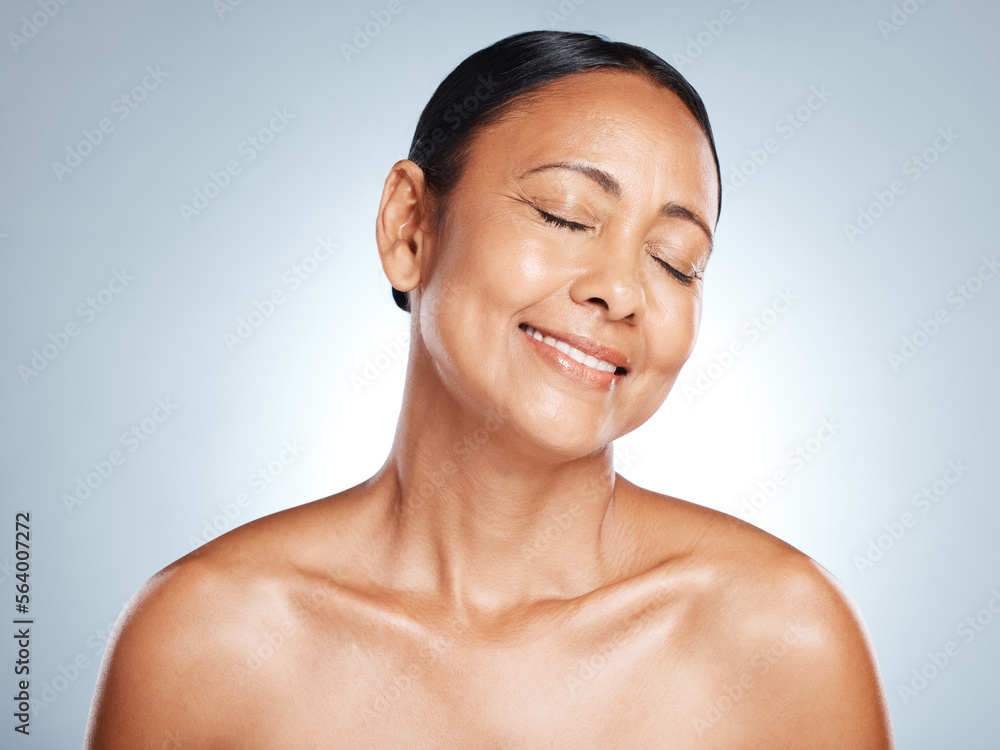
<point x="605" y="253"/>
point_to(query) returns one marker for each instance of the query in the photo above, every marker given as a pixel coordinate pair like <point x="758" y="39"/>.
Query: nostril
<point x="600" y="301"/>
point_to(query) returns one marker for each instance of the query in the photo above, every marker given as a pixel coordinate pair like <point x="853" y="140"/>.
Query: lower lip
<point x="570" y="367"/>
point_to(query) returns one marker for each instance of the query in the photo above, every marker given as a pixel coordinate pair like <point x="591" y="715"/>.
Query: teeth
<point x="585" y="359"/>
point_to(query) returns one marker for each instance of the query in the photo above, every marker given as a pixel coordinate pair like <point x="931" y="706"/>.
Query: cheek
<point x="530" y="267"/>
<point x="694" y="323"/>
<point x="674" y="332"/>
<point x="504" y="270"/>
<point x="481" y="280"/>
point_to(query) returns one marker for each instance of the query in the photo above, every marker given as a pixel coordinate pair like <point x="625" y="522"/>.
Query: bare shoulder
<point x="776" y="619"/>
<point x="170" y="656"/>
<point x="182" y="662"/>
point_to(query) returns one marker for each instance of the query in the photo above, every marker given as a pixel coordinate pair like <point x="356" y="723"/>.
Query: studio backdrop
<point x="197" y="331"/>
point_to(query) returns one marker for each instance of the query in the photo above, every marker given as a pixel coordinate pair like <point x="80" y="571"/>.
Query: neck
<point x="484" y="520"/>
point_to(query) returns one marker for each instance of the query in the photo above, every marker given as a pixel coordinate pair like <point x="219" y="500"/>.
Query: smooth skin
<point x="497" y="584"/>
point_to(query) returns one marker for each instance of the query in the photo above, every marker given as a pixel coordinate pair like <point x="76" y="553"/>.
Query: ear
<point x="403" y="226"/>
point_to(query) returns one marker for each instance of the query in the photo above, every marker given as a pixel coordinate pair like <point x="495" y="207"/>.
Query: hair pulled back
<point x="486" y="84"/>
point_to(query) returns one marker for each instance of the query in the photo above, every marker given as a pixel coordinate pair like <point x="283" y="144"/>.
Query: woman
<point x="496" y="584"/>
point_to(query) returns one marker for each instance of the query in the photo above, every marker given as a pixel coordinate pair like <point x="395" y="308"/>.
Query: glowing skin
<point x="500" y="263"/>
<point x="496" y="584"/>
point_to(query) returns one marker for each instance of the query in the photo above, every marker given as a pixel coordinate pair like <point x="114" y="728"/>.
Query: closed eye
<point x="687" y="280"/>
<point x="683" y="278"/>
<point x="556" y="221"/>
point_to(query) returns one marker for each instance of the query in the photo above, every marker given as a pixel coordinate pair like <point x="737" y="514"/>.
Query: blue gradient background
<point x="163" y="335"/>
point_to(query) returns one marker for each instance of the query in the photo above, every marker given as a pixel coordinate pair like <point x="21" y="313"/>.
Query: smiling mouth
<point x="588" y="360"/>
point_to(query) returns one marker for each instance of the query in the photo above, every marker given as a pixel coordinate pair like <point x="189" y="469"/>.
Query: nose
<point x="611" y="279"/>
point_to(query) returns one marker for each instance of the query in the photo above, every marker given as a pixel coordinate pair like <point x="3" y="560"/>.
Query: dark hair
<point x="483" y="87"/>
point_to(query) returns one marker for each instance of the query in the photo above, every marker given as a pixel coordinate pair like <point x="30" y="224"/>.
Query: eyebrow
<point x="613" y="188"/>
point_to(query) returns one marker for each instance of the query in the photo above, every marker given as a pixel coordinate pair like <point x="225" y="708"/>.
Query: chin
<point x="563" y="436"/>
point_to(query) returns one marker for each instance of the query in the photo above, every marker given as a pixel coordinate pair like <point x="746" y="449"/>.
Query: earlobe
<point x="399" y="231"/>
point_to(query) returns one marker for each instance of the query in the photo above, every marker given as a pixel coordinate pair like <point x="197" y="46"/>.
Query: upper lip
<point x="588" y="346"/>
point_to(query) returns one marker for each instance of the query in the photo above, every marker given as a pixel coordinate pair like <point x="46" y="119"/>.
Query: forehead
<point x="619" y="120"/>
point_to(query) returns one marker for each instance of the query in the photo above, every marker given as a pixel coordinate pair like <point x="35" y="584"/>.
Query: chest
<point x="615" y="691"/>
